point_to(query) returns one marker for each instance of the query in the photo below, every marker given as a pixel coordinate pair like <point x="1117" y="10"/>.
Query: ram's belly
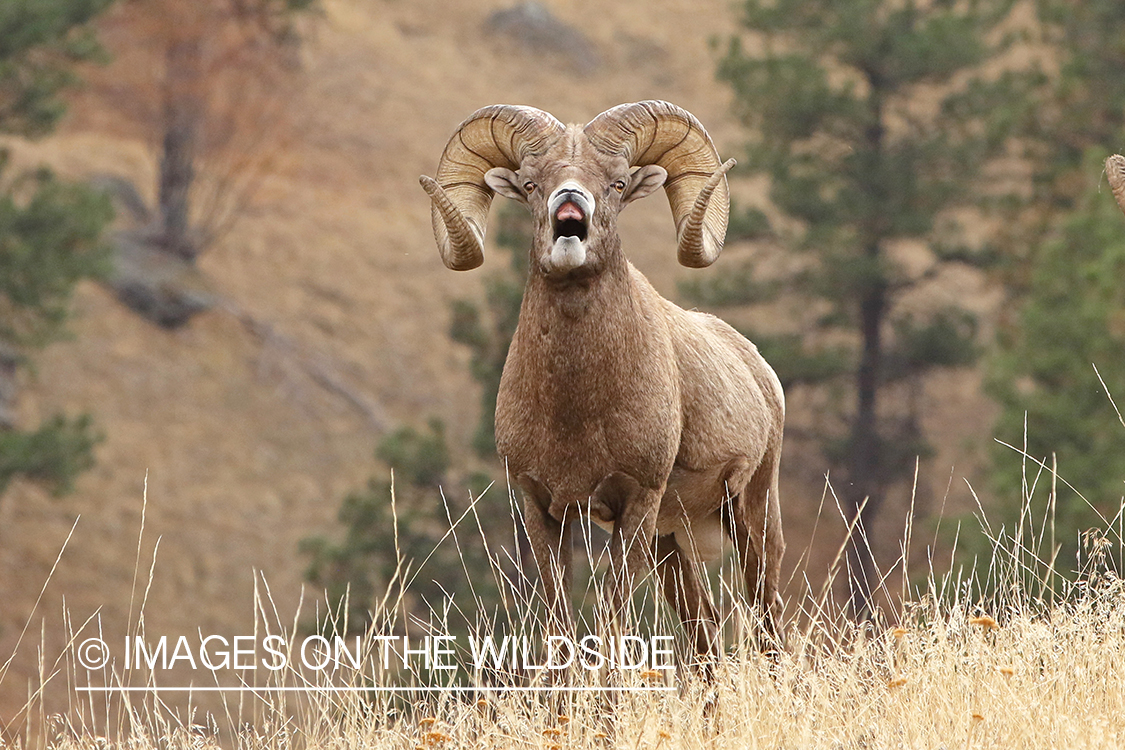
<point x="691" y="509"/>
<point x="701" y="539"/>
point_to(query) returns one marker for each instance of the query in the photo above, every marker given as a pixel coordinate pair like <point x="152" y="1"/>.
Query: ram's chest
<point x="572" y="408"/>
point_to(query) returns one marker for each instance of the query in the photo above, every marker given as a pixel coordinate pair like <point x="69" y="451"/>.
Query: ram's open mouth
<point x="570" y="221"/>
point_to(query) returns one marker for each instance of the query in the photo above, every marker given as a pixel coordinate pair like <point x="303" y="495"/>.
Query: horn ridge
<point x="661" y="133"/>
<point x="500" y="135"/>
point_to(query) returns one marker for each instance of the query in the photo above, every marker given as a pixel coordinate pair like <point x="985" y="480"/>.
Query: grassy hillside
<point x="1035" y="663"/>
<point x="247" y="437"/>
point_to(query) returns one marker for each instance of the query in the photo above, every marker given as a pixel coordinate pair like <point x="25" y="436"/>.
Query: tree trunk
<point x="178" y="149"/>
<point x="9" y="385"/>
<point x="864" y="468"/>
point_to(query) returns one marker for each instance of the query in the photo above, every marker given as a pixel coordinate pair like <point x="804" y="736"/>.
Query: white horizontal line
<point x="419" y="689"/>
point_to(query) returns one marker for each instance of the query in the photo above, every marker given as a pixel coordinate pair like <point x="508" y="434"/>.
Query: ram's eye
<point x="619" y="186"/>
<point x="529" y="186"/>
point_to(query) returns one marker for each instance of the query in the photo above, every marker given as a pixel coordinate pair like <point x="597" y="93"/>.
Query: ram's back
<point x="731" y="398"/>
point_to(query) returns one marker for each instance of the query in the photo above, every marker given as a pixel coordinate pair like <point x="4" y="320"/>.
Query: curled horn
<point x="655" y="132"/>
<point x="1115" y="173"/>
<point x="498" y="136"/>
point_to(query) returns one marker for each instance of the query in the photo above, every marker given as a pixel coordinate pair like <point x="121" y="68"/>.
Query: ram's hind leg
<point x="688" y="594"/>
<point x="753" y="522"/>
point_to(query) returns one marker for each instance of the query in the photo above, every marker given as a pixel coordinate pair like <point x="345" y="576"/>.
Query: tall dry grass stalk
<point x="1003" y="652"/>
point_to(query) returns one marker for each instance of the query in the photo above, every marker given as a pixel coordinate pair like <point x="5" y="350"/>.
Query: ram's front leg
<point x="551" y="546"/>
<point x="550" y="543"/>
<point x="634" y="511"/>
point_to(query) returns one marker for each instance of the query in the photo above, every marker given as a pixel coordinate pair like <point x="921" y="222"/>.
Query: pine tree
<point x="49" y="230"/>
<point x="1066" y="313"/>
<point x="1055" y="366"/>
<point x="868" y="122"/>
<point x="362" y="567"/>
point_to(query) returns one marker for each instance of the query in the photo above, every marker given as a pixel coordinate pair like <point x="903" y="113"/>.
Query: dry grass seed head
<point x="985" y="621"/>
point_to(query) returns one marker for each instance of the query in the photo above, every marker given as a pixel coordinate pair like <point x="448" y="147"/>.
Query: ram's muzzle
<point x="570" y="208"/>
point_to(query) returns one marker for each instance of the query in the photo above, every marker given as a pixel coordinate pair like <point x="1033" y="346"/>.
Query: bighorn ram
<point x="662" y="424"/>
<point x="1115" y="172"/>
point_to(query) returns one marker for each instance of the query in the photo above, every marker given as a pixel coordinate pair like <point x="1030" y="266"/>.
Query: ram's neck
<point x="579" y="345"/>
<point x="578" y="304"/>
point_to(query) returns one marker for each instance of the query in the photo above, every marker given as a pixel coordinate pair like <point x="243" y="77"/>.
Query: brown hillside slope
<point x="244" y="451"/>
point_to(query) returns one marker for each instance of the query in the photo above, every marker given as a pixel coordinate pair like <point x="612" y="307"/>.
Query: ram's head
<point x="575" y="180"/>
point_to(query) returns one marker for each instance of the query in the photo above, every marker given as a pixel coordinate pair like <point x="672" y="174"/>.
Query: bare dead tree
<point x="206" y="83"/>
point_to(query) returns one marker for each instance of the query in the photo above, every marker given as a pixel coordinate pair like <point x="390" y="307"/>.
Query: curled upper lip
<point x="570" y="211"/>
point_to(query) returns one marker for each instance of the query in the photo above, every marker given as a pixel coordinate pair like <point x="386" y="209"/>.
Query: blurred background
<point x="222" y="312"/>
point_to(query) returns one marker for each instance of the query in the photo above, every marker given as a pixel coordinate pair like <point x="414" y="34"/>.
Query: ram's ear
<point x="644" y="181"/>
<point x="506" y="183"/>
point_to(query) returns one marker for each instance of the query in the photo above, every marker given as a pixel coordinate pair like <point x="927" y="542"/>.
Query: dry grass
<point x="1001" y="654"/>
